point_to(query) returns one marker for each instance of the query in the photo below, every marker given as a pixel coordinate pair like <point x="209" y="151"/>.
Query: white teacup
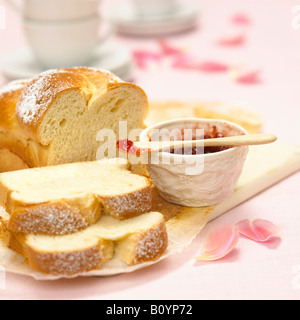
<point x="155" y="7"/>
<point x="65" y="44"/>
<point x="54" y="10"/>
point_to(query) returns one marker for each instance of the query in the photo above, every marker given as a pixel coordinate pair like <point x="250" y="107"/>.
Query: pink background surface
<point x="252" y="270"/>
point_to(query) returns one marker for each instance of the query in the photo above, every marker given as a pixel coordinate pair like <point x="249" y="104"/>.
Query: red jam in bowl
<point x="212" y="133"/>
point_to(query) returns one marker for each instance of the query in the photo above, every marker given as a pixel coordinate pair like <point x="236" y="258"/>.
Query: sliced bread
<point x="66" y="198"/>
<point x="139" y="239"/>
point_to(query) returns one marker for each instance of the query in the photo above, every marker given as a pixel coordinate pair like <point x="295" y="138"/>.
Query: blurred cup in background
<point x="154" y="7"/>
<point x="54" y="10"/>
<point x="63" y="33"/>
<point x="66" y="43"/>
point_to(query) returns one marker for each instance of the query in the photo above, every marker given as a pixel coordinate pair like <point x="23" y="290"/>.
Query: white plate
<point x="129" y="22"/>
<point x="21" y="64"/>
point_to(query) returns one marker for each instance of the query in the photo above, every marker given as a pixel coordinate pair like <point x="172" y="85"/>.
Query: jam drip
<point x="129" y="147"/>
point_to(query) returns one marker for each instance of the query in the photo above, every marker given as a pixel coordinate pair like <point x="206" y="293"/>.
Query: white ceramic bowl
<point x="196" y="180"/>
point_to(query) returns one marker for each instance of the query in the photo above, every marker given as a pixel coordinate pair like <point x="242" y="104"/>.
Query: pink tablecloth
<point x="252" y="271"/>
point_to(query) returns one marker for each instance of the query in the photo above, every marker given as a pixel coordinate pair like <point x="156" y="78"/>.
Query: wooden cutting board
<point x="264" y="167"/>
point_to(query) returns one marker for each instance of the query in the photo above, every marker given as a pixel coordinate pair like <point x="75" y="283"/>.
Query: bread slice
<point x="66" y="198"/>
<point x="139" y="239"/>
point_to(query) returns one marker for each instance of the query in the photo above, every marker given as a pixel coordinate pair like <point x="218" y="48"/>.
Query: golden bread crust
<point x="68" y="263"/>
<point x="47" y="219"/>
<point x="14" y="147"/>
<point x="9" y="96"/>
<point x="41" y="91"/>
<point x="145" y="246"/>
<point x="130" y="205"/>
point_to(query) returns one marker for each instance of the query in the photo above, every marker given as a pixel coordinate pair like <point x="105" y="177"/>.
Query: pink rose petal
<point x="191" y="63"/>
<point x="168" y="49"/>
<point x="143" y="58"/>
<point x="219" y="243"/>
<point x="241" y="19"/>
<point x="212" y="66"/>
<point x="251" y="77"/>
<point x="233" y="41"/>
<point x="259" y="230"/>
<point x="186" y="62"/>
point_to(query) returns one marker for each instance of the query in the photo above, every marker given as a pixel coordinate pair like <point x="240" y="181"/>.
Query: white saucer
<point x="21" y="64"/>
<point x="129" y="22"/>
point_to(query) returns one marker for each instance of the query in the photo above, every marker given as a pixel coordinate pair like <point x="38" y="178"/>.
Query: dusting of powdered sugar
<point x="134" y="203"/>
<point x="32" y="100"/>
<point x="153" y="245"/>
<point x="54" y="220"/>
<point x="40" y="92"/>
<point x="69" y="263"/>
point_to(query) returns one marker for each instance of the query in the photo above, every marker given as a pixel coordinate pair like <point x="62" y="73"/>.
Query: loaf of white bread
<point x="54" y="118"/>
<point x="72" y="218"/>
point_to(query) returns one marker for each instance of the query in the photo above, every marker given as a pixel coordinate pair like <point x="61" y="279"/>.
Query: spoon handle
<point x="244" y="140"/>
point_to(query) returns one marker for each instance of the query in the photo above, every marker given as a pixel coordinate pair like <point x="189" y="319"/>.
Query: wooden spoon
<point x="158" y="146"/>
